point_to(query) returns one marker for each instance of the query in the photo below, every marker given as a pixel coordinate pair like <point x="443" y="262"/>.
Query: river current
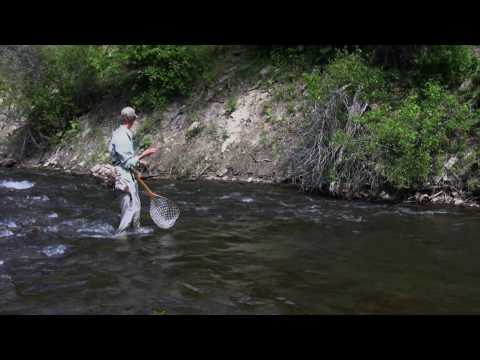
<point x="236" y="249"/>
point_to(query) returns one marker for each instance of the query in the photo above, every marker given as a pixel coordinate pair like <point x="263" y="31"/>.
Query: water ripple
<point x="17" y="185"/>
<point x="5" y="233"/>
<point x="54" y="250"/>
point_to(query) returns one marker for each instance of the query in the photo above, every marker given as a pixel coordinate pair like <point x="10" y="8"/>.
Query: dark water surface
<point x="236" y="249"/>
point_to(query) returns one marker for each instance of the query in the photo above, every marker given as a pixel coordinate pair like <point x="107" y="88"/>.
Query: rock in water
<point x="459" y="202"/>
<point x="385" y="196"/>
<point x="8" y="162"/>
<point x="222" y="173"/>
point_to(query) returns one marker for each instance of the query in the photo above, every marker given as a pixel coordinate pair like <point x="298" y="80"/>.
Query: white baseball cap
<point x="128" y="112"/>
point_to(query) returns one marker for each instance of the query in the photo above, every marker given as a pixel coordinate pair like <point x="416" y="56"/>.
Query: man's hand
<point x="148" y="152"/>
<point x="143" y="164"/>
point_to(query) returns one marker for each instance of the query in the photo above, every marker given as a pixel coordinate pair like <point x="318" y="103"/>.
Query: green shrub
<point x="450" y="64"/>
<point x="144" y="138"/>
<point x="399" y="142"/>
<point x="147" y="141"/>
<point x="347" y="69"/>
<point x="64" y="87"/>
<point x="231" y="105"/>
<point x="473" y="185"/>
<point x="296" y="57"/>
<point x="156" y="72"/>
<point x="408" y="141"/>
<point x="69" y="80"/>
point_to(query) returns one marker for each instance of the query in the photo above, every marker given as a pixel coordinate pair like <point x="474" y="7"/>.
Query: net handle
<point x="147" y="189"/>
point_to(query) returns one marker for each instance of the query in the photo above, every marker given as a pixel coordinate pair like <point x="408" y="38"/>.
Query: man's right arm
<point x="124" y="150"/>
<point x="147" y="152"/>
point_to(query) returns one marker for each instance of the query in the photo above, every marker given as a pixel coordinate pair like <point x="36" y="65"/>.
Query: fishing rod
<point x="152" y="176"/>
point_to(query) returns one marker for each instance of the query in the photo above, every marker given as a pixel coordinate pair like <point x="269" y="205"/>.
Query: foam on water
<point x="69" y="187"/>
<point x="53" y="228"/>
<point x="143" y="230"/>
<point x="69" y="223"/>
<point x="140" y="231"/>
<point x="54" y="250"/>
<point x="28" y="221"/>
<point x="17" y="185"/>
<point x="52" y="216"/>
<point x="352" y="218"/>
<point x="8" y="223"/>
<point x="5" y="233"/>
<point x="247" y="200"/>
<point x="41" y="198"/>
<point x="97" y="230"/>
<point x="407" y="211"/>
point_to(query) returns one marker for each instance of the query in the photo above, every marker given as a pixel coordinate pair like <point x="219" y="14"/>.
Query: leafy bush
<point x="450" y="64"/>
<point x="147" y="141"/>
<point x="296" y="56"/>
<point x="65" y="86"/>
<point x="408" y="141"/>
<point x="397" y="141"/>
<point x="328" y="134"/>
<point x="157" y="72"/>
<point x="351" y="70"/>
<point x="231" y="106"/>
<point x="69" y="80"/>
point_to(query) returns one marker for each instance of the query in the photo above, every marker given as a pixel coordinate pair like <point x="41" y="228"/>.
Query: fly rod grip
<point x="147" y="189"/>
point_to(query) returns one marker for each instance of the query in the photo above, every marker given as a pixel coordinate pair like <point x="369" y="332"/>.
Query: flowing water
<point x="236" y="249"/>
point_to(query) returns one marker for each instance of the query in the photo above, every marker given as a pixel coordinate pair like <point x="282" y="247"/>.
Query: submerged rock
<point x="438" y="199"/>
<point x="384" y="196"/>
<point x="422" y="198"/>
<point x="459" y="202"/>
<point x="222" y="173"/>
<point x="8" y="162"/>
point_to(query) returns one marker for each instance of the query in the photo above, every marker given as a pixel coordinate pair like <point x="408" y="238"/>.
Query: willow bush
<point x="362" y="132"/>
<point x="69" y="80"/>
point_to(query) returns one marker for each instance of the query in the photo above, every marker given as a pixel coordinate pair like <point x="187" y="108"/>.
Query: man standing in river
<point x="125" y="161"/>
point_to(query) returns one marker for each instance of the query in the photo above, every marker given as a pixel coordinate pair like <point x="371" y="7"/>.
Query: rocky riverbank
<point x="236" y="129"/>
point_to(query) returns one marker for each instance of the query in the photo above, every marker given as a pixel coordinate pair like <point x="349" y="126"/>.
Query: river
<point x="236" y="249"/>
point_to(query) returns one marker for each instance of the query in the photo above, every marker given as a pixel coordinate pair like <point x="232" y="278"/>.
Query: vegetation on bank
<point x="69" y="81"/>
<point x="375" y="117"/>
<point x="373" y="126"/>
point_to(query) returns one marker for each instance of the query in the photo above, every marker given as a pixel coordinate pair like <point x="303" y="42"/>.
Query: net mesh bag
<point x="164" y="212"/>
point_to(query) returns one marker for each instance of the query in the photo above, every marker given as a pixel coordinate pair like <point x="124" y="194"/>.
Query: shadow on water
<point x="236" y="249"/>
